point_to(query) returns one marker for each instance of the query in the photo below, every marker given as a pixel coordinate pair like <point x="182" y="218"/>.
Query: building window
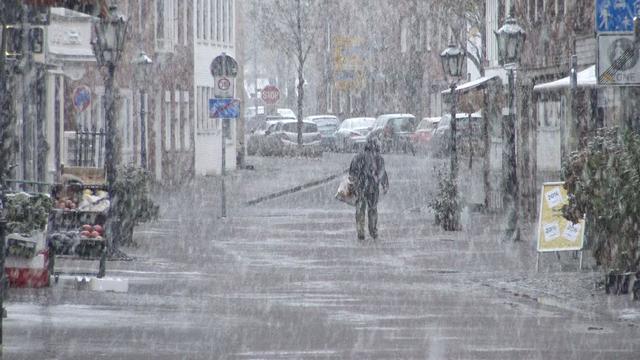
<point x="218" y="20"/>
<point x="539" y="10"/>
<point x="213" y="22"/>
<point x="165" y="25"/>
<point x="178" y="119"/>
<point x="142" y="15"/>
<point x="167" y="120"/>
<point x="185" y="23"/>
<point x="404" y="35"/>
<point x="206" y="22"/>
<point x="225" y="21"/>
<point x="560" y="7"/>
<point x="187" y="120"/>
<point x="203" y="123"/>
<point x="199" y="17"/>
<point x="231" y="21"/>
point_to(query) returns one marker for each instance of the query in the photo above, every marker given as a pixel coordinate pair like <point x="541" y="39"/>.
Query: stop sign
<point x="270" y="94"/>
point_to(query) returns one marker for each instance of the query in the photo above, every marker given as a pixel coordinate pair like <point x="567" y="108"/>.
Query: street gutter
<point x="295" y="189"/>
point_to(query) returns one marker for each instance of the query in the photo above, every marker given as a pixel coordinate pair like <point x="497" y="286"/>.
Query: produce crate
<point x="20" y="246"/>
<point x="88" y="175"/>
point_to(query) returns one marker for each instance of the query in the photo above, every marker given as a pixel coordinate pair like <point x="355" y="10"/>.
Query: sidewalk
<point x="507" y="268"/>
<point x="559" y="282"/>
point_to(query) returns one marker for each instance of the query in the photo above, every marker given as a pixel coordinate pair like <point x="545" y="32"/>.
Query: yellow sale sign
<point x="555" y="233"/>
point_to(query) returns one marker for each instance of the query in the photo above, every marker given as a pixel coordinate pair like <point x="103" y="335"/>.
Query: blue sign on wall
<point x="224" y="108"/>
<point x="616" y="15"/>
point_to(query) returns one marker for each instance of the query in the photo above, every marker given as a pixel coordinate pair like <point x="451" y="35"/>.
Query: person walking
<point x="367" y="173"/>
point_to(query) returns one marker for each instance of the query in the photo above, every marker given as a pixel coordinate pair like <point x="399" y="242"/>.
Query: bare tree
<point x="466" y="18"/>
<point x="293" y="27"/>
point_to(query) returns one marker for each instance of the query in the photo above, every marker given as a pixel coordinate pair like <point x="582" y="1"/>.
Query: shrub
<point x="133" y="204"/>
<point x="446" y="204"/>
<point x="603" y="180"/>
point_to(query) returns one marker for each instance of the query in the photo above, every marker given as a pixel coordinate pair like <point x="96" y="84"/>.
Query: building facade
<point x="162" y="109"/>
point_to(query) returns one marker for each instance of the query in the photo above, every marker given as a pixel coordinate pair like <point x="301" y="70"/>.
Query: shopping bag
<point x="346" y="191"/>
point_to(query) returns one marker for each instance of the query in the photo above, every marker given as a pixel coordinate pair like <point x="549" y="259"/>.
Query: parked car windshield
<point x="405" y="124"/>
<point x="357" y="123"/>
<point x="427" y="124"/>
<point x="306" y="127"/>
<point x="326" y="122"/>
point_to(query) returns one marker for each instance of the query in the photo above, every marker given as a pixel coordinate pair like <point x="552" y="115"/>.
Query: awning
<point x="477" y="83"/>
<point x="586" y="78"/>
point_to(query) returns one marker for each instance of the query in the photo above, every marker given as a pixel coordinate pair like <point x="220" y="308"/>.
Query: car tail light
<point x="354" y="134"/>
<point x="387" y="131"/>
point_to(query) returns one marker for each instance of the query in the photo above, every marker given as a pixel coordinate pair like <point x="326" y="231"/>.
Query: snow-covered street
<point x="286" y="279"/>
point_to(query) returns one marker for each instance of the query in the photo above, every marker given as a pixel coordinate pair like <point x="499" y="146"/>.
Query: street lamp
<point x="510" y="38"/>
<point x="143" y="64"/>
<point x="108" y="45"/>
<point x="453" y="59"/>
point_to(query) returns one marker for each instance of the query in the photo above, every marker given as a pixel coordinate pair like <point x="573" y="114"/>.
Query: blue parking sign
<point x="224" y="108"/>
<point x="616" y="15"/>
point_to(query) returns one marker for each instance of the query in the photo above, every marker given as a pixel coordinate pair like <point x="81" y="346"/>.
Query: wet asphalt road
<point x="285" y="279"/>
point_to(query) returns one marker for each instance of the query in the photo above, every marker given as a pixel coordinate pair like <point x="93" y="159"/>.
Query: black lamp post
<point x="510" y="39"/>
<point x="453" y="59"/>
<point x="108" y="45"/>
<point x="143" y="63"/>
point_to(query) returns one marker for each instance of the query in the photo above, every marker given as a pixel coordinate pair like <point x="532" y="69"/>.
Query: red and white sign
<point x="224" y="84"/>
<point x="223" y="87"/>
<point x="270" y="94"/>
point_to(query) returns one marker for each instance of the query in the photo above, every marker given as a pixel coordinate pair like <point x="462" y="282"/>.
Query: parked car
<point x="281" y="138"/>
<point x="394" y="130"/>
<point x="352" y="133"/>
<point x="286" y="113"/>
<point x="257" y="137"/>
<point x="466" y="131"/>
<point x="327" y="126"/>
<point x="421" y="138"/>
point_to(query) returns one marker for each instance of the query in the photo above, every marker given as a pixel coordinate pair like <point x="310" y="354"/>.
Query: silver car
<point x="282" y="139"/>
<point x="352" y="134"/>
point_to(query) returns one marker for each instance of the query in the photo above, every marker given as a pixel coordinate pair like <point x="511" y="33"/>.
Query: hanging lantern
<point x="453" y="61"/>
<point x="510" y="39"/>
<point x="110" y="34"/>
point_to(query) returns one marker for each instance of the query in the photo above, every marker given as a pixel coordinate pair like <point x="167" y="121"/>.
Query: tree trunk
<point x="510" y="181"/>
<point x="300" y="88"/>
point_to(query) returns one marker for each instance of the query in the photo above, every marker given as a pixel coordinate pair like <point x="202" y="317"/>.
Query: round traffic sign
<point x="224" y="83"/>
<point x="81" y="98"/>
<point x="270" y="94"/>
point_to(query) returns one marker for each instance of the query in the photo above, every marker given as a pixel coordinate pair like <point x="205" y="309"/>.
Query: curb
<point x="295" y="189"/>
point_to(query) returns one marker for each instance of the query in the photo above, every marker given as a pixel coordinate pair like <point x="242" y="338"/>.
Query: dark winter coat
<point x="368" y="173"/>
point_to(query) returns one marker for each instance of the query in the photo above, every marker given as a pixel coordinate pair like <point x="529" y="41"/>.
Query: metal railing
<point x="89" y="148"/>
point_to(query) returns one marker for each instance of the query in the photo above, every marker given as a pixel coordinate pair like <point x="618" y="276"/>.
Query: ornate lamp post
<point x="143" y="64"/>
<point x="510" y="39"/>
<point x="453" y="59"/>
<point x="108" y="45"/>
<point x="453" y="65"/>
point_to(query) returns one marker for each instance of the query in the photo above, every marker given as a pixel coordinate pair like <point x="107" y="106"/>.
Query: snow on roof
<point x="586" y="78"/>
<point x="471" y="84"/>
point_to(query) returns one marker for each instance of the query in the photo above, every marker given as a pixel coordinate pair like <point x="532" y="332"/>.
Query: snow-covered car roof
<point x="396" y="115"/>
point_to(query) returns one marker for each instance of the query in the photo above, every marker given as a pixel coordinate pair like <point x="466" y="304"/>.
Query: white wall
<point x="207" y="46"/>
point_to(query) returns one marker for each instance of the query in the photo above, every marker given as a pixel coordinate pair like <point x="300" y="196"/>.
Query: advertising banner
<point x="555" y="233"/>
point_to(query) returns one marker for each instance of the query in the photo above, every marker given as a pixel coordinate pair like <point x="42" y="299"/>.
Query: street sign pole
<point x="223" y="192"/>
<point x="224" y="69"/>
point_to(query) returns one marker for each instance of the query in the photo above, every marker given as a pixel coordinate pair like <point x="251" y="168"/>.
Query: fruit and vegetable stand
<point x="77" y="221"/>
<point x="27" y="255"/>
